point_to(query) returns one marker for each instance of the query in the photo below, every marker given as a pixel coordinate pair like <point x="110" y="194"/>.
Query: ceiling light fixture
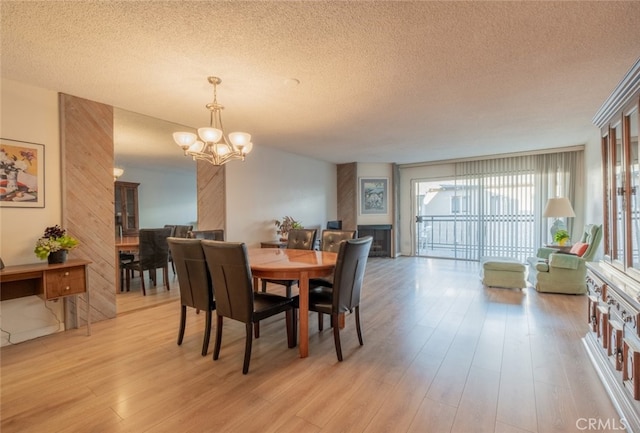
<point x="117" y="172"/>
<point x="214" y="146"/>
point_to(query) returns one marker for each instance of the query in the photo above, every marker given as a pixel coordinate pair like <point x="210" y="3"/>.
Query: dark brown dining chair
<point x="235" y="298"/>
<point x="347" y="286"/>
<point x="299" y="239"/>
<point x="211" y="235"/>
<point x="153" y="254"/>
<point x="330" y="242"/>
<point x="179" y="231"/>
<point x="196" y="290"/>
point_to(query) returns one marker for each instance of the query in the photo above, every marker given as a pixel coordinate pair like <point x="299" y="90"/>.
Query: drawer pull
<point x="66" y="274"/>
<point x="67" y="288"/>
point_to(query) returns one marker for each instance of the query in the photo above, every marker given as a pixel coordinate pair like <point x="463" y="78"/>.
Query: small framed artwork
<point x="21" y="174"/>
<point x="373" y="196"/>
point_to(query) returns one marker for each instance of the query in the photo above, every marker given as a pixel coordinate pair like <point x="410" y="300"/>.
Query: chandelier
<point x="213" y="145"/>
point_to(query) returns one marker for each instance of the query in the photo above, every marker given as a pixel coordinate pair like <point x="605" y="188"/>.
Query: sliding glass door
<point x="475" y="216"/>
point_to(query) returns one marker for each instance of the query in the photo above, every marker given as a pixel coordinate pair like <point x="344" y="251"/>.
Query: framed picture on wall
<point x="373" y="196"/>
<point x="21" y="174"/>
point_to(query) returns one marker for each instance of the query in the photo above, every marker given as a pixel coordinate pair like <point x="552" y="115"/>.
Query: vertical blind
<point x="506" y="198"/>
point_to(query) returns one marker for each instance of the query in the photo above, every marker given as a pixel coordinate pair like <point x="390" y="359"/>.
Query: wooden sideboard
<point x="50" y="282"/>
<point x="613" y="338"/>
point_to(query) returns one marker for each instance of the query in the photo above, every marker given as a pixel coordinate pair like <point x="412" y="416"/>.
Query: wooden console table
<point x="50" y="282"/>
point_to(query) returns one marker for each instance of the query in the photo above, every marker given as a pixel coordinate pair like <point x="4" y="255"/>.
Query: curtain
<point x="558" y="175"/>
<point x="505" y="199"/>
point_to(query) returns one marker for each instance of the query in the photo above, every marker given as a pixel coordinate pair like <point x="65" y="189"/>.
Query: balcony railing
<point x="471" y="237"/>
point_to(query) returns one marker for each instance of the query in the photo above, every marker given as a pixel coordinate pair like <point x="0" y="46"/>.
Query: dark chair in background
<point x="334" y="225"/>
<point x="153" y="254"/>
<point x="196" y="290"/>
<point x="125" y="259"/>
<point x="347" y="286"/>
<point x="182" y="231"/>
<point x="330" y="242"/>
<point x="235" y="298"/>
<point x="178" y="232"/>
<point x="299" y="239"/>
<point x="211" y="235"/>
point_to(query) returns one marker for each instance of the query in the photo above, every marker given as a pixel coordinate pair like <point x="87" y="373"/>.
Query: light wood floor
<point x="441" y="354"/>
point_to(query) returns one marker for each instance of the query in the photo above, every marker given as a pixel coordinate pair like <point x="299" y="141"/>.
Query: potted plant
<point x="285" y="225"/>
<point x="561" y="237"/>
<point x="54" y="245"/>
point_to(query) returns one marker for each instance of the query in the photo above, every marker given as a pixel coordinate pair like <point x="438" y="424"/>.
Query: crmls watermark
<point x="607" y="424"/>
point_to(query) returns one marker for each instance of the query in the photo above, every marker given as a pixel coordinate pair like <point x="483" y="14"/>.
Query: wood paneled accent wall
<point x="348" y="195"/>
<point x="211" y="196"/>
<point x="86" y="140"/>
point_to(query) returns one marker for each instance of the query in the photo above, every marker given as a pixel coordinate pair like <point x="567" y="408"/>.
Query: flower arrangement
<point x="11" y="163"/>
<point x="287" y="224"/>
<point x="55" y="239"/>
<point x="561" y="236"/>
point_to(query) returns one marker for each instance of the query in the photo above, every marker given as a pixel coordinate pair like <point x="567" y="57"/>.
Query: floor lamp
<point x="558" y="207"/>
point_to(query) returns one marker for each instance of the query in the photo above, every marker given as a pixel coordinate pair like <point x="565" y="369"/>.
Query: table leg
<point x="117" y="270"/>
<point x="341" y="320"/>
<point x="303" y="343"/>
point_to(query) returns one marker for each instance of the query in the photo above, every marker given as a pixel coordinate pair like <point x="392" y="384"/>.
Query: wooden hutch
<point x="613" y="339"/>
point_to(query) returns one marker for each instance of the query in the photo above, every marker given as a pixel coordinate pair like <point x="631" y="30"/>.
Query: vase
<point x="12" y="181"/>
<point x="59" y="256"/>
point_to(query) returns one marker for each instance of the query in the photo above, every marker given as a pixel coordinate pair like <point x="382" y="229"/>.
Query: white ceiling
<point x="379" y="81"/>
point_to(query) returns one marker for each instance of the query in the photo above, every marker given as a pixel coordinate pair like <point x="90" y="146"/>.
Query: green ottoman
<point x="504" y="272"/>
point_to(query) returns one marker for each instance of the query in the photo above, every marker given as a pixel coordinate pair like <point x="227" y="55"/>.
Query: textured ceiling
<point x="379" y="81"/>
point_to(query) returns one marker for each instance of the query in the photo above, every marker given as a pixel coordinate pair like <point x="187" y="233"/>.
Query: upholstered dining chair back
<point x="347" y="286"/>
<point x="182" y="231"/>
<point x="212" y="235"/>
<point x="331" y="239"/>
<point x="349" y="273"/>
<point x="231" y="277"/>
<point x="154" y="249"/>
<point x="301" y="239"/>
<point x="193" y="276"/>
<point x="196" y="290"/>
<point x="173" y="229"/>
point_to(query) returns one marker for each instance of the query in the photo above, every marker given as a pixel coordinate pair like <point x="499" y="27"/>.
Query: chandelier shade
<point x="211" y="144"/>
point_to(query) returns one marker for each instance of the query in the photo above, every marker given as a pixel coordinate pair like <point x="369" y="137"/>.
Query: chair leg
<point x="207" y="334"/>
<point x="166" y="277"/>
<point x="289" y="290"/>
<point x="216" y="349"/>
<point x="256" y="329"/>
<point x="320" y="322"/>
<point x="183" y="321"/>
<point x="336" y="337"/>
<point x="128" y="280"/>
<point x="358" y="325"/>
<point x="247" y="349"/>
<point x="294" y="326"/>
<point x="144" y="292"/>
<point x="264" y="286"/>
<point x="290" y="318"/>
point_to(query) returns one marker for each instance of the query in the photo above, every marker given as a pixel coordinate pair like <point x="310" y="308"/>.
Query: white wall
<point x="271" y="184"/>
<point x="30" y="114"/>
<point x="164" y="196"/>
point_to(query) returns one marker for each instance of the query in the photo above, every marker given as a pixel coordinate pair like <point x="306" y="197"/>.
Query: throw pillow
<point x="579" y="248"/>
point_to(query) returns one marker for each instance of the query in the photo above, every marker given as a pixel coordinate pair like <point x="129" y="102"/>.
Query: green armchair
<point x="554" y="272"/>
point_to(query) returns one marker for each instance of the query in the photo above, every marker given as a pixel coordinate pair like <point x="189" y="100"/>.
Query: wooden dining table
<point x="291" y="264"/>
<point x="124" y="243"/>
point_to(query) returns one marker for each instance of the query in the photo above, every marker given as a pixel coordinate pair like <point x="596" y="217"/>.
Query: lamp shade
<point x="558" y="207"/>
